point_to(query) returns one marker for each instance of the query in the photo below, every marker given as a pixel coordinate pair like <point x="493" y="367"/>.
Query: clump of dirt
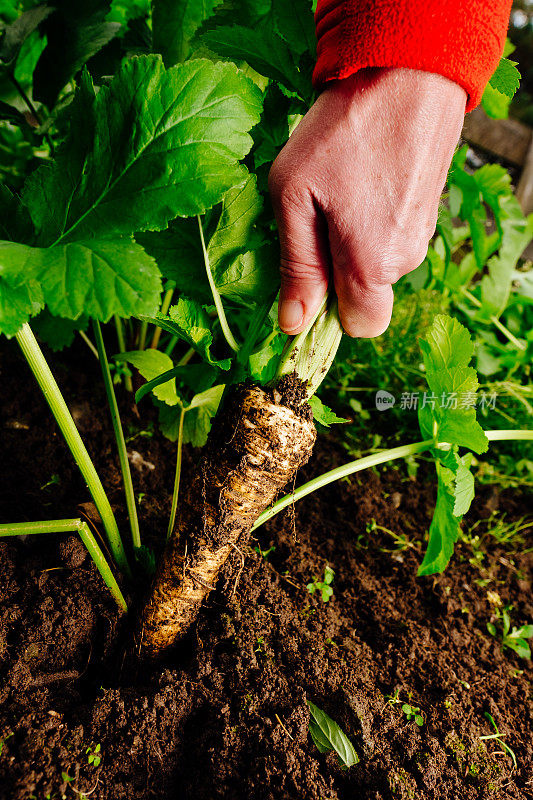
<point x="291" y="391"/>
<point x="226" y="715"/>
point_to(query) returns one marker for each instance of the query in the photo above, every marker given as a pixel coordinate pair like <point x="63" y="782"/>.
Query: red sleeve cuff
<point x="460" y="39"/>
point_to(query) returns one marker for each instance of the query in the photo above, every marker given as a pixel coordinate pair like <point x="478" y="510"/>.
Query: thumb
<point x="304" y="261"/>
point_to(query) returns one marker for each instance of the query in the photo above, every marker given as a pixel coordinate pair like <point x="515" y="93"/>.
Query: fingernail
<point x="291" y="314"/>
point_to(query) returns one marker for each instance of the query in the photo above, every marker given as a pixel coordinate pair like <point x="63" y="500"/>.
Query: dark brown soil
<point x="227" y="717"/>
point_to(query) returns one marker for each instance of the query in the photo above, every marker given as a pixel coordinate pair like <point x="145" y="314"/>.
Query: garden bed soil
<point x="226" y="715"/>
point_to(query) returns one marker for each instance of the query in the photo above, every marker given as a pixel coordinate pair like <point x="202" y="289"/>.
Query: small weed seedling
<point x="498" y="737"/>
<point x="323" y="586"/>
<point x="264" y="553"/>
<point x="515" y="639"/>
<point x="413" y="713"/>
<point x="393" y="699"/>
<point x="401" y="541"/>
<point x="93" y="755"/>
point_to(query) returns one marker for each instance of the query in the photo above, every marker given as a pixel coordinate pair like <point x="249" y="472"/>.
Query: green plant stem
<point x="122" y="349"/>
<point x="342" y="472"/>
<point x="311" y="352"/>
<point x="71" y="526"/>
<point x="371" y="461"/>
<point x="177" y="475"/>
<point x="143" y="330"/>
<point x="31" y="108"/>
<point x="165" y="305"/>
<point x="169" y="349"/>
<point x="88" y="342"/>
<point x="508" y="435"/>
<point x="45" y="379"/>
<point x="186" y="357"/>
<point x="216" y="295"/>
<point x="119" y="436"/>
<point x="495" y="321"/>
<point x="25" y="97"/>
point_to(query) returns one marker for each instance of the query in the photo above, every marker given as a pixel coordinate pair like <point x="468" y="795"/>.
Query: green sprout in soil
<point x="323" y="586"/>
<point x="265" y="553"/>
<point x="400" y="539"/>
<point x="498" y="737"/>
<point x="515" y="639"/>
<point x="413" y="713"/>
<point x="93" y="755"/>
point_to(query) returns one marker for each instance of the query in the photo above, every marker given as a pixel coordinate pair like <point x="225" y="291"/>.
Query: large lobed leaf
<point x="447" y="350"/>
<point x="166" y="143"/>
<point x="264" y="50"/>
<point x="450" y="417"/>
<point x="98" y="278"/>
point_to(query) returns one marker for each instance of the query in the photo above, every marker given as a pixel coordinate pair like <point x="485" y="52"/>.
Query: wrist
<point x="399" y="87"/>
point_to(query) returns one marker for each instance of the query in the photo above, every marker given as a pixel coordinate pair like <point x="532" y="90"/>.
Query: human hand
<point x="356" y="192"/>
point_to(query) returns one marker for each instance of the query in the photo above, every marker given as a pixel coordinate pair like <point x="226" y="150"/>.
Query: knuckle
<point x="387" y="264"/>
<point x="293" y="271"/>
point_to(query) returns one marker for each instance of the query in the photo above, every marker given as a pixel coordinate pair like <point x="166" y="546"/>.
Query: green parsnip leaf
<point x="151" y="364"/>
<point x="198" y="417"/>
<point x="166" y="143"/>
<point x="193" y="325"/>
<point x="20" y="294"/>
<point x="174" y="25"/>
<point x="296" y="25"/>
<point x="450" y="417"/>
<point x="243" y="266"/>
<point x="506" y="78"/>
<point x="322" y="413"/>
<point x="464" y="490"/>
<point x="263" y="50"/>
<point x="98" y="277"/>
<point x="327" y="736"/>
<point x="75" y="32"/>
<point x="517" y="232"/>
<point x="57" y="332"/>
<point x="445" y="526"/>
<point x="447" y="350"/>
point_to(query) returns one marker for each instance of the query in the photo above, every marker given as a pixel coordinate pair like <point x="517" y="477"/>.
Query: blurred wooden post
<point x="524" y="190"/>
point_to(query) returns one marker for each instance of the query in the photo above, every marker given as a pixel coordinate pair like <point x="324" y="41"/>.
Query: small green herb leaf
<point x="192" y="324"/>
<point x="327" y="735"/>
<point x="506" y="78"/>
<point x="151" y="364"/>
<point x="322" y="413"/>
<point x="445" y="526"/>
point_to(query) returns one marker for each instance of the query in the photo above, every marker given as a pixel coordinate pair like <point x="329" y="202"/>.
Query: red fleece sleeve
<point x="460" y="39"/>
